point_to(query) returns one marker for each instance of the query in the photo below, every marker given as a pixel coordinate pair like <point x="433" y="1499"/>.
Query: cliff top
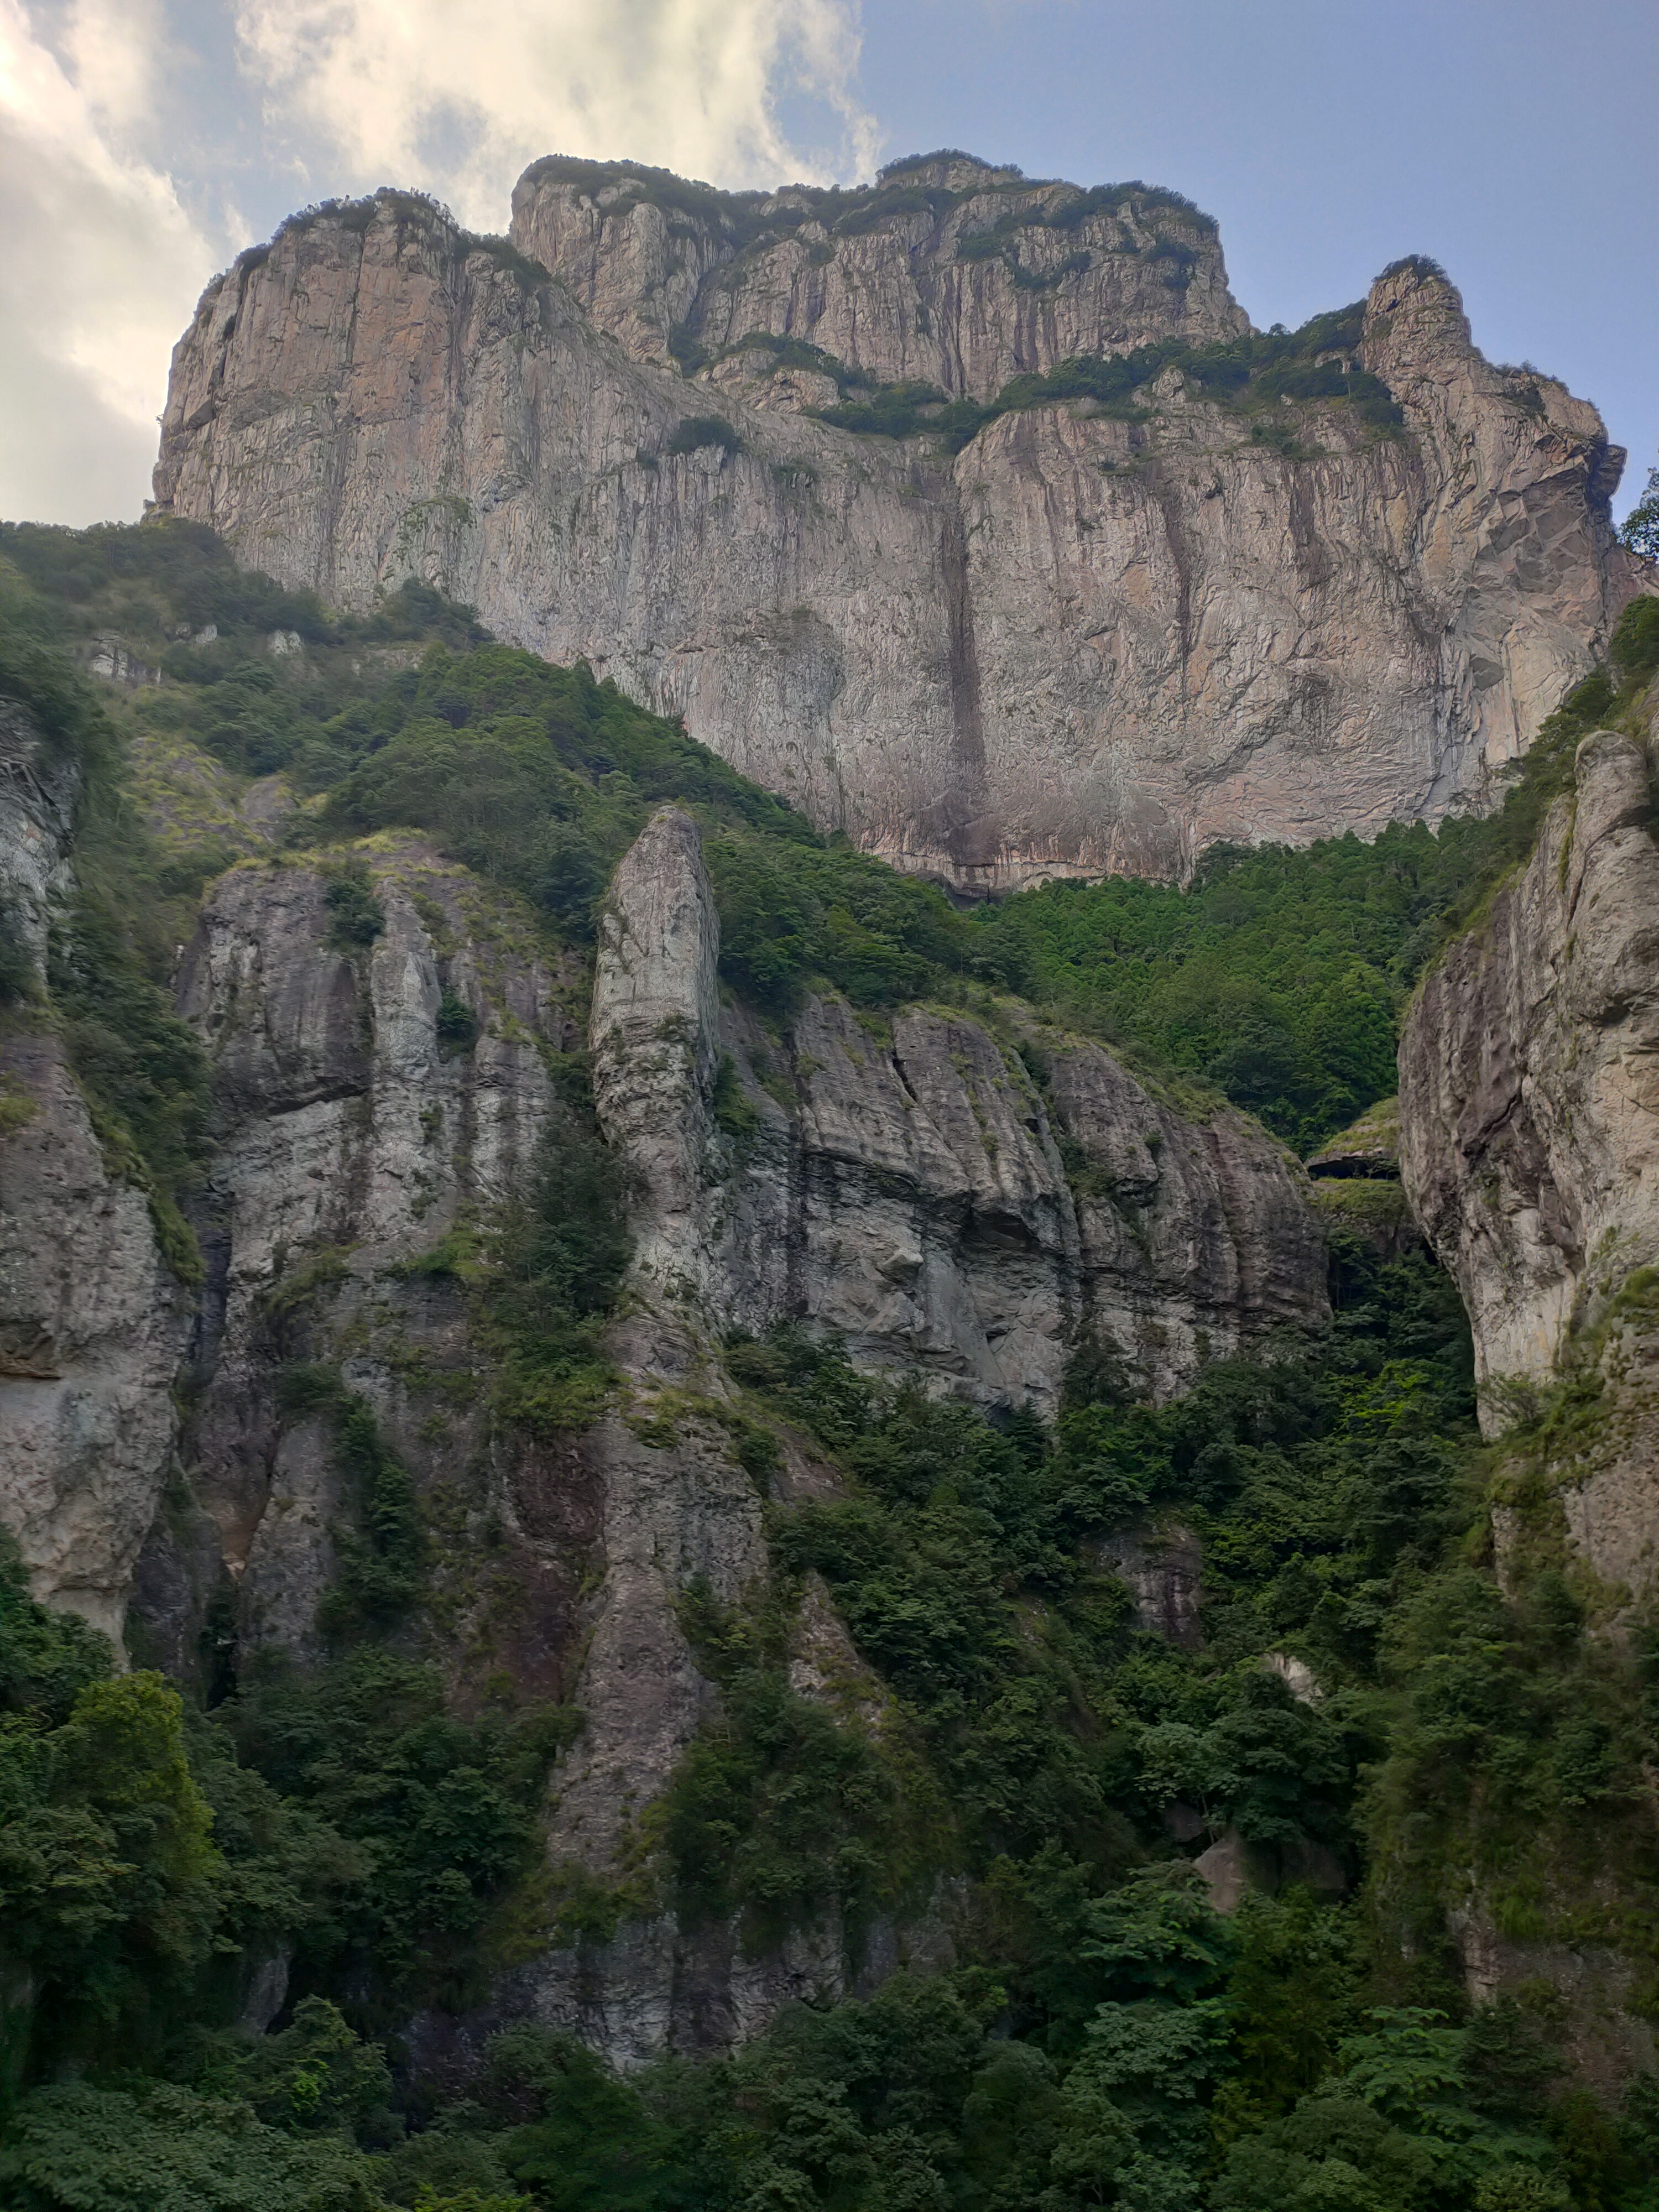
<point x="931" y="182"/>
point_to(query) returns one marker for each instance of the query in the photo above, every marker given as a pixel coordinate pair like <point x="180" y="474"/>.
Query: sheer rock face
<point x="351" y="1141"/>
<point x="1529" y="1122"/>
<point x="1081" y="643"/>
<point x="910" y="1195"/>
<point x="1511" y="544"/>
<point x="655" y="1013"/>
<point x="91" y="1320"/>
<point x="1045" y="276"/>
<point x="900" y="1183"/>
<point x="37" y="807"/>
<point x="903" y="1181"/>
<point x="92" y="1323"/>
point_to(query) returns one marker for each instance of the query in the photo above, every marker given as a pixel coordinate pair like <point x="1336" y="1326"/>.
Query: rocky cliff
<point x="1530" y="1150"/>
<point x="1103" y="634"/>
<point x="92" y="1322"/>
<point x="964" y="1194"/>
<point x="951" y="273"/>
<point x="903" y="1188"/>
<point x="1529" y="1106"/>
<point x="905" y="1181"/>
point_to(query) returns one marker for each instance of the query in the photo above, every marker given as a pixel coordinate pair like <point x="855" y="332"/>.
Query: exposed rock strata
<point x="38" y="791"/>
<point x="907" y="1181"/>
<point x="655" y="1015"/>
<point x="92" y="1324"/>
<point x="912" y="1195"/>
<point x="1083" y="643"/>
<point x="351" y="1142"/>
<point x="1162" y="1570"/>
<point x="1530" y="1105"/>
<point x="91" y="1320"/>
<point x="893" y="296"/>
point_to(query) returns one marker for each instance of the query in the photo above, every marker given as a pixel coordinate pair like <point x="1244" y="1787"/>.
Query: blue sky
<point x="142" y="142"/>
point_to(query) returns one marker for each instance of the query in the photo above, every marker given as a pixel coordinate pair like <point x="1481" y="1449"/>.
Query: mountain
<point x="684" y="1525"/>
<point x="965" y="512"/>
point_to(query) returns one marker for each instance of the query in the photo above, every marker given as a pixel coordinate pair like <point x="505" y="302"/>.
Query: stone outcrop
<point x="655" y="1015"/>
<point x="903" y="1182"/>
<point x="1356" y="1183"/>
<point x="956" y="1191"/>
<point x="1083" y="642"/>
<point x="352" y="1141"/>
<point x="1162" y="1570"/>
<point x="1530" y="1117"/>
<point x="914" y="1183"/>
<point x="91" y="1320"/>
<point x="92" y="1325"/>
<point x="900" y="1183"/>
<point x="951" y="274"/>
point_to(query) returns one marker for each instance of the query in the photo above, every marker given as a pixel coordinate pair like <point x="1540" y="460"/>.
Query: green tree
<point x="1640" y="528"/>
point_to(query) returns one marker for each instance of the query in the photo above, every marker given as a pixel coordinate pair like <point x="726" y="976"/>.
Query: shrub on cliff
<point x="108" y="1876"/>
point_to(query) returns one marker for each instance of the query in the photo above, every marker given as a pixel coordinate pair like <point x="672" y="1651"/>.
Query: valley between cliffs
<point x="682" y="1523"/>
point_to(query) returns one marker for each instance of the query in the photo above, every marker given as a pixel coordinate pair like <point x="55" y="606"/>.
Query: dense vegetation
<point x="1640" y="529"/>
<point x="1000" y="1722"/>
<point x="1251" y="377"/>
<point x="1103" y="2037"/>
<point x="755" y="221"/>
<point x="1280" y="976"/>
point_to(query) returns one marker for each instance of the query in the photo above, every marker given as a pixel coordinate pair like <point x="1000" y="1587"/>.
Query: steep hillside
<point x="948" y="275"/>
<point x="966" y="513"/>
<point x="769" y="1553"/>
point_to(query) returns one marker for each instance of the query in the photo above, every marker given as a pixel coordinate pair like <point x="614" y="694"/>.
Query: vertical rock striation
<point x="653" y="1028"/>
<point x="902" y="1180"/>
<point x="352" y="1143"/>
<point x="1530" y="1126"/>
<point x="964" y="1195"/>
<point x="911" y="1195"/>
<point x="953" y="274"/>
<point x="92" y="1325"/>
<point x="1087" y="640"/>
<point x="91" y="1320"/>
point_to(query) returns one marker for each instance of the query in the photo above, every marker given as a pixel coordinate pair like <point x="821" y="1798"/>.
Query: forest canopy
<point x="1361" y="1713"/>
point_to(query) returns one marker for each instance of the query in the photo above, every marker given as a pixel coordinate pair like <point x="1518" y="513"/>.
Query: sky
<point x="144" y="143"/>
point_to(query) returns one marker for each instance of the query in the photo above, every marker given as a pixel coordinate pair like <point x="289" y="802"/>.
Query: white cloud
<point x="102" y="261"/>
<point x="102" y="268"/>
<point x="112" y="48"/>
<point x="460" y="97"/>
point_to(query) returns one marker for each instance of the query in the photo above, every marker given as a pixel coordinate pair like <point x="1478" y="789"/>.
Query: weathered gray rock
<point x="37" y="789"/>
<point x="1196" y="1234"/>
<point x="92" y="1325"/>
<point x="91" y="1320"/>
<point x="351" y="1143"/>
<point x="1232" y="1868"/>
<point x="911" y="1196"/>
<point x="908" y="295"/>
<point x="1529" y="1111"/>
<point x="1082" y="643"/>
<point x="1162" y="1570"/>
<point x="900" y="1183"/>
<point x="676" y="1511"/>
<point x="655" y="1014"/>
<point x="1607" y="2036"/>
